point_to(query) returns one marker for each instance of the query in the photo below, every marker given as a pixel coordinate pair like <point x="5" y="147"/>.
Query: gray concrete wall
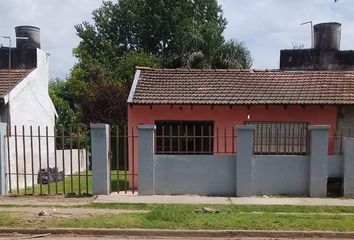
<point x="348" y="156"/>
<point x="281" y="175"/>
<point x="195" y="174"/>
<point x="335" y="166"/>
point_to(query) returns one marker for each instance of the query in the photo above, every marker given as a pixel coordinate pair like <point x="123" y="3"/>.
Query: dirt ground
<point x="41" y="214"/>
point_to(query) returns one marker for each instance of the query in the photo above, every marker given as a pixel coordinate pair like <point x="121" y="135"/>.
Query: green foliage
<point x="151" y="33"/>
<point x="181" y="33"/>
<point x="58" y="92"/>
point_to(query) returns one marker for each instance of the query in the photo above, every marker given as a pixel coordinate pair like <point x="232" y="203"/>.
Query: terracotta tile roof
<point x="171" y="86"/>
<point x="16" y="76"/>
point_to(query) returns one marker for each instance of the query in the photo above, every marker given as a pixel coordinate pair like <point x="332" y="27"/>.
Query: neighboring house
<point x="25" y="102"/>
<point x="209" y="103"/>
<point x="24" y="94"/>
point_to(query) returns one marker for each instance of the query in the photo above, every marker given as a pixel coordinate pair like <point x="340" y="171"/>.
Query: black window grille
<point x="184" y="137"/>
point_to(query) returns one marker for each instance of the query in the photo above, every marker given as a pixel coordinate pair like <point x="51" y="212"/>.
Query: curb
<point x="180" y="233"/>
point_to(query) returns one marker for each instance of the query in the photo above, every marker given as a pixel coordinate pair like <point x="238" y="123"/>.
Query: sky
<point x="266" y="26"/>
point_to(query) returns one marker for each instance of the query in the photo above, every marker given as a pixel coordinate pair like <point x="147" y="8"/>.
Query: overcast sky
<point x="265" y="25"/>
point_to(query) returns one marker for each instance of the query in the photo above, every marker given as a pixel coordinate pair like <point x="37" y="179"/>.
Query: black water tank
<point x="327" y="36"/>
<point x="31" y="33"/>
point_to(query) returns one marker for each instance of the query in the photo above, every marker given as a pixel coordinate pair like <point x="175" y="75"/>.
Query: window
<point x="280" y="137"/>
<point x="184" y="137"/>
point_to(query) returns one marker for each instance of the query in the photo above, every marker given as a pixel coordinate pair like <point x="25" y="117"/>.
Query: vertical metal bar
<point x="217" y="139"/>
<point x="225" y="140"/>
<point x="86" y="159"/>
<point x="301" y="138"/>
<point x="277" y="140"/>
<point x="71" y="161"/>
<point x="293" y="140"/>
<point x="194" y="144"/>
<point x="110" y="156"/>
<point x="40" y="160"/>
<point x="269" y="140"/>
<point x="117" y="157"/>
<point x="125" y="157"/>
<point x="210" y="138"/>
<point x="163" y="139"/>
<point x="202" y="139"/>
<point x="178" y="139"/>
<point x="261" y="138"/>
<point x="171" y="139"/>
<point x="16" y="156"/>
<point x="32" y="164"/>
<point x="78" y="161"/>
<point x="63" y="158"/>
<point x="48" y="167"/>
<point x="233" y="139"/>
<point x="285" y="140"/>
<point x="341" y="141"/>
<point x="186" y="136"/>
<point x="56" y="172"/>
<point x="133" y="157"/>
<point x="9" y="156"/>
<point x="24" y="157"/>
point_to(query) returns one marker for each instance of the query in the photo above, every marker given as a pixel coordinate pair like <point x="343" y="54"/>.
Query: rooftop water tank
<point x="32" y="35"/>
<point x="327" y="36"/>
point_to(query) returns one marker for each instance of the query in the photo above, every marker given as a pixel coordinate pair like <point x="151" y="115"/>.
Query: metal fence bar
<point x="117" y="155"/>
<point x="16" y="157"/>
<point x="48" y="166"/>
<point x="133" y="160"/>
<point x="125" y="157"/>
<point x="78" y="160"/>
<point x="24" y="158"/>
<point x="56" y="172"/>
<point x="40" y="160"/>
<point x="86" y="161"/>
<point x="71" y="162"/>
<point x="63" y="159"/>
<point x="32" y="164"/>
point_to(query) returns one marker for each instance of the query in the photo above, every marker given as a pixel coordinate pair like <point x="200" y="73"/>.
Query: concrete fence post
<point x="318" y="160"/>
<point x="146" y="159"/>
<point x="244" y="144"/>
<point x="348" y="159"/>
<point x="3" y="162"/>
<point x="101" y="168"/>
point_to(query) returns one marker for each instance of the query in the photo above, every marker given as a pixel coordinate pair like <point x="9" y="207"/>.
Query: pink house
<point x="187" y="104"/>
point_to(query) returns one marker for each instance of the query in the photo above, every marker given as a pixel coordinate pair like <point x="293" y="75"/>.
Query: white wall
<point x="29" y="104"/>
<point x="29" y="101"/>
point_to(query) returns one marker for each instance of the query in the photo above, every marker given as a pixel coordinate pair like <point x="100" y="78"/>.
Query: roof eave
<point x="135" y="83"/>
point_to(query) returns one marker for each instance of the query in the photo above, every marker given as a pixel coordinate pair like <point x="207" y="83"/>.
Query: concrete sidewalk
<point x="168" y="199"/>
<point x="194" y="199"/>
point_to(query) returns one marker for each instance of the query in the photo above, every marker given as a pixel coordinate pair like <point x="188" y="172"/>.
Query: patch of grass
<point x="6" y="220"/>
<point x="76" y="184"/>
<point x="182" y="217"/>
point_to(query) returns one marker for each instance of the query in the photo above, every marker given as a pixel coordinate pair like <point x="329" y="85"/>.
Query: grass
<point x="231" y="217"/>
<point x="181" y="216"/>
<point x="71" y="185"/>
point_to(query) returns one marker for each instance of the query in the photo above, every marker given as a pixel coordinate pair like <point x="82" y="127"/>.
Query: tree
<point x="153" y="33"/>
<point x="58" y="92"/>
<point x="180" y="33"/>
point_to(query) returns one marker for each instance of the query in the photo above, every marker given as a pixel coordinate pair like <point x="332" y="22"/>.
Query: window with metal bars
<point x="184" y="137"/>
<point x="280" y="138"/>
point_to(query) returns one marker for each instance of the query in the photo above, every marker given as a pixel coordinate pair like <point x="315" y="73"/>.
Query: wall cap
<point x="245" y="127"/>
<point x="146" y="127"/>
<point x="319" y="127"/>
<point x="98" y="125"/>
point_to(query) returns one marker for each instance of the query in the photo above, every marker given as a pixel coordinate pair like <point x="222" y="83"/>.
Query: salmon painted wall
<point x="226" y="117"/>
